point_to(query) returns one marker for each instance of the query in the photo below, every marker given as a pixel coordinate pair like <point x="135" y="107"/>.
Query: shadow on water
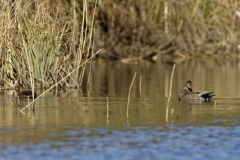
<point x="73" y="123"/>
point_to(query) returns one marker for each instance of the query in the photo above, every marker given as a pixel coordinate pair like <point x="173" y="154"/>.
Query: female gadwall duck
<point x="188" y="94"/>
<point x="23" y="94"/>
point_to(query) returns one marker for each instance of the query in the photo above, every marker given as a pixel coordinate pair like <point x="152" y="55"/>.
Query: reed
<point x="140" y="86"/>
<point x="107" y="108"/>
<point x="170" y="92"/>
<point x="129" y="93"/>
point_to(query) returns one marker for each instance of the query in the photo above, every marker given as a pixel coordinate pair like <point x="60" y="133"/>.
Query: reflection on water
<point x="75" y="126"/>
<point x="113" y="79"/>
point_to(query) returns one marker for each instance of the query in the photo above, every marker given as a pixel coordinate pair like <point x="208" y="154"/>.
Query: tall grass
<point x="42" y="42"/>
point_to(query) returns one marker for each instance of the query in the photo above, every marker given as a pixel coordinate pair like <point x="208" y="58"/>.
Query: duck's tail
<point x="207" y="96"/>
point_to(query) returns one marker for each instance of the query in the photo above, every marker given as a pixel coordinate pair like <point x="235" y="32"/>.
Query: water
<point x="74" y="125"/>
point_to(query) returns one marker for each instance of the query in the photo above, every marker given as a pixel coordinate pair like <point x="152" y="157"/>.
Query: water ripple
<point x="171" y="142"/>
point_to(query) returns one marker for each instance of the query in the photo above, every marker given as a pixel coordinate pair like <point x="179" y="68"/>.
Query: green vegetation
<point x="42" y="42"/>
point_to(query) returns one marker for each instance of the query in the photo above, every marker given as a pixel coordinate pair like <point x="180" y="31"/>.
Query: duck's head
<point x="189" y="85"/>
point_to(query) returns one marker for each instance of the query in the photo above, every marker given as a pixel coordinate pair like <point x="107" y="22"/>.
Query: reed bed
<point x="137" y="28"/>
<point x="43" y="41"/>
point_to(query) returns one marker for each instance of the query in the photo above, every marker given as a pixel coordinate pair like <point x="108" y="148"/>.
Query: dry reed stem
<point x="170" y="92"/>
<point x="107" y="107"/>
<point x="140" y="86"/>
<point x="61" y="80"/>
<point x="166" y="17"/>
<point x="130" y="92"/>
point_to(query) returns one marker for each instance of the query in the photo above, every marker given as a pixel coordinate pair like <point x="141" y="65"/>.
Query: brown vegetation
<point x="43" y="41"/>
<point x="145" y="28"/>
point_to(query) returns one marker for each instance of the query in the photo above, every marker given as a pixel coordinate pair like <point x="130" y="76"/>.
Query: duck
<point x="25" y="94"/>
<point x="187" y="93"/>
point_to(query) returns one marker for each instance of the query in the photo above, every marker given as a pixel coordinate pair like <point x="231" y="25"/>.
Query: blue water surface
<point x="166" y="142"/>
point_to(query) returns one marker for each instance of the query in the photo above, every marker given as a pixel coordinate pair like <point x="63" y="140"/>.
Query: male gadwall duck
<point x="188" y="94"/>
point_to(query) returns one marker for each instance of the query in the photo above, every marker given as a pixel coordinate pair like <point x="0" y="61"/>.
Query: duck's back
<point x="185" y="93"/>
<point x="201" y="96"/>
<point x="27" y="94"/>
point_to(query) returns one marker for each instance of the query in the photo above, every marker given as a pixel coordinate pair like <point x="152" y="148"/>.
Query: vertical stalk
<point x="166" y="17"/>
<point x="170" y="92"/>
<point x="140" y="86"/>
<point x="130" y="92"/>
<point x="90" y="37"/>
<point x="107" y="107"/>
